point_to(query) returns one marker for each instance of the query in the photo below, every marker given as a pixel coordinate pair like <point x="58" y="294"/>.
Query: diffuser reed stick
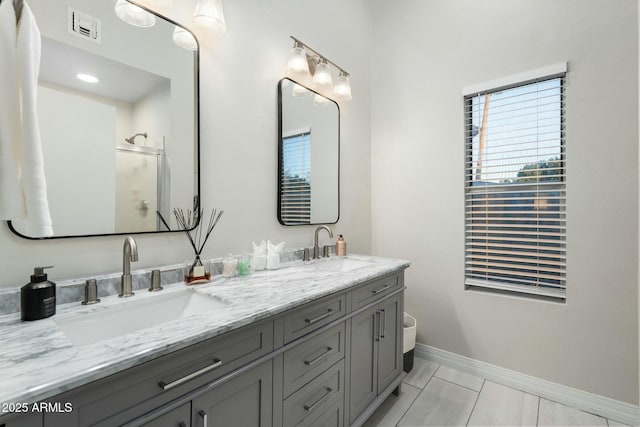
<point x="191" y="222"/>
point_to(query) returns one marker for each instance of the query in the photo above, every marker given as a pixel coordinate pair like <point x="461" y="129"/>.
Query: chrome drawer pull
<point x="168" y="386"/>
<point x="319" y="401"/>
<point x="205" y="418"/>
<point x="383" y="321"/>
<point x="319" y="318"/>
<point x="382" y="289"/>
<point x="317" y="359"/>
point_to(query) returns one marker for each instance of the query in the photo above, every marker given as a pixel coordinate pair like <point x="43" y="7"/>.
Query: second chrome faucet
<point x="129" y="254"/>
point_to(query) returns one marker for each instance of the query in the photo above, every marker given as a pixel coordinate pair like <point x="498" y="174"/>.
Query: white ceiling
<point x="60" y="63"/>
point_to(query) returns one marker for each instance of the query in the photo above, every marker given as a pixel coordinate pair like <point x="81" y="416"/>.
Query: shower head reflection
<point x="130" y="140"/>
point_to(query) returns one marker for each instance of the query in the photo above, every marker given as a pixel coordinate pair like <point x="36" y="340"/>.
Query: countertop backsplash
<point x="72" y="290"/>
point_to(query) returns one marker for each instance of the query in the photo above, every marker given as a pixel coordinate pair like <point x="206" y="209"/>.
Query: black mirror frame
<point x="280" y="155"/>
<point x="197" y="195"/>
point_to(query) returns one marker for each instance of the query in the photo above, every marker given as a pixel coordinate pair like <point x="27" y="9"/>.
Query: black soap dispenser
<point x="38" y="297"/>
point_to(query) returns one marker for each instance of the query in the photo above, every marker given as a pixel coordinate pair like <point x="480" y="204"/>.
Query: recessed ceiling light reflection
<point x="87" y="78"/>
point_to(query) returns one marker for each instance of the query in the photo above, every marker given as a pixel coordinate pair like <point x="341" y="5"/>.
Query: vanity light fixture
<point x="208" y="13"/>
<point x="134" y="15"/>
<point x="184" y="39"/>
<point x="87" y="78"/>
<point x="298" y="67"/>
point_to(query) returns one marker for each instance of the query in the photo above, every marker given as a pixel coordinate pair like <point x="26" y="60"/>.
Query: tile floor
<point x="434" y="395"/>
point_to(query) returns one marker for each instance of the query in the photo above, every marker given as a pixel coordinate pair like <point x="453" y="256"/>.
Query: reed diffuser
<point x="190" y="222"/>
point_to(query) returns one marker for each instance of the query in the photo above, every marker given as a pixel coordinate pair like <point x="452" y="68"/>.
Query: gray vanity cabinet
<point x="329" y="362"/>
<point x="143" y="389"/>
<point x="245" y="401"/>
<point x="376" y="352"/>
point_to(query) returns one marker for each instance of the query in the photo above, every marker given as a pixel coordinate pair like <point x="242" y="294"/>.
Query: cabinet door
<point x="179" y="417"/>
<point x="390" y="344"/>
<point x="363" y="385"/>
<point x="245" y="401"/>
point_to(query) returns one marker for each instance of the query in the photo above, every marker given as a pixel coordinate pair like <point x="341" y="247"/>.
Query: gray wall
<point x="239" y="76"/>
<point x="425" y="52"/>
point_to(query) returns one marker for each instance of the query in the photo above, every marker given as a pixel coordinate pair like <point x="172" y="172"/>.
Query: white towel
<point x="23" y="189"/>
<point x="11" y="201"/>
<point x="34" y="183"/>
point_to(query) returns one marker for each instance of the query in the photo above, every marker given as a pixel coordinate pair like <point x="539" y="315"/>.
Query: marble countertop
<point x="37" y="360"/>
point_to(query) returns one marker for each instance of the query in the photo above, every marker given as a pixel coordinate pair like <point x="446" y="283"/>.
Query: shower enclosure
<point x="142" y="188"/>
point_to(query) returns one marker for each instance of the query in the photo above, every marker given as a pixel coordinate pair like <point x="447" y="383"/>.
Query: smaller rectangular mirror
<point x="308" y="156"/>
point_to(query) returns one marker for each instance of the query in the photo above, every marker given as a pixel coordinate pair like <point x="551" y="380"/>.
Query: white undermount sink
<point x="340" y="264"/>
<point x="133" y="315"/>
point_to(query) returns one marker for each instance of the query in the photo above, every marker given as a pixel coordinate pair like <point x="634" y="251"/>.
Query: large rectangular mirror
<point x="308" y="156"/>
<point x="120" y="144"/>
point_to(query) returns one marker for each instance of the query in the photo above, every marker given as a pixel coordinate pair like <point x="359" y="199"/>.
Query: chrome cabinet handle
<point x="382" y="289"/>
<point x="319" y="318"/>
<point x="376" y="326"/>
<point x="317" y="359"/>
<point x="205" y="418"/>
<point x="314" y="405"/>
<point x="383" y="321"/>
<point x="168" y="386"/>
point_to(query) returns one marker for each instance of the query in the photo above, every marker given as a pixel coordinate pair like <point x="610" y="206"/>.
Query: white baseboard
<point x="588" y="402"/>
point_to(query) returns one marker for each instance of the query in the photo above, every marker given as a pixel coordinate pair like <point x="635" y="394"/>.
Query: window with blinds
<point x="515" y="218"/>
<point x="295" y="204"/>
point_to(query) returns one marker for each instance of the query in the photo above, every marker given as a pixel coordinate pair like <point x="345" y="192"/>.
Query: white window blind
<point x="515" y="210"/>
<point x="295" y="202"/>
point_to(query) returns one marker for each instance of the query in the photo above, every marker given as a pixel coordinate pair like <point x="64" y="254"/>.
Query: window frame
<point x="502" y="285"/>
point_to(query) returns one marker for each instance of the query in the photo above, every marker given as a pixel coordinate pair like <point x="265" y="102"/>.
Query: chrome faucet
<point x="129" y="253"/>
<point x="316" y="248"/>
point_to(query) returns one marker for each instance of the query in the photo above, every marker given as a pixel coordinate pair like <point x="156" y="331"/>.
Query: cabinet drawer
<point x="375" y="290"/>
<point x="332" y="417"/>
<point x="311" y="358"/>
<point x="314" y="399"/>
<point x="135" y="391"/>
<point x="312" y="316"/>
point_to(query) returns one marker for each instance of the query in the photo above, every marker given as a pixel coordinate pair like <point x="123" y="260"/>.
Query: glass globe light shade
<point x="134" y="15"/>
<point x="320" y="101"/>
<point x="322" y="79"/>
<point x="209" y="13"/>
<point x="342" y="89"/>
<point x="184" y="39"/>
<point x="297" y="65"/>
<point x="298" y="91"/>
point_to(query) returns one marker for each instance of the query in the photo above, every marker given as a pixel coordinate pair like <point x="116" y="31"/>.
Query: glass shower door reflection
<point x="136" y="191"/>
